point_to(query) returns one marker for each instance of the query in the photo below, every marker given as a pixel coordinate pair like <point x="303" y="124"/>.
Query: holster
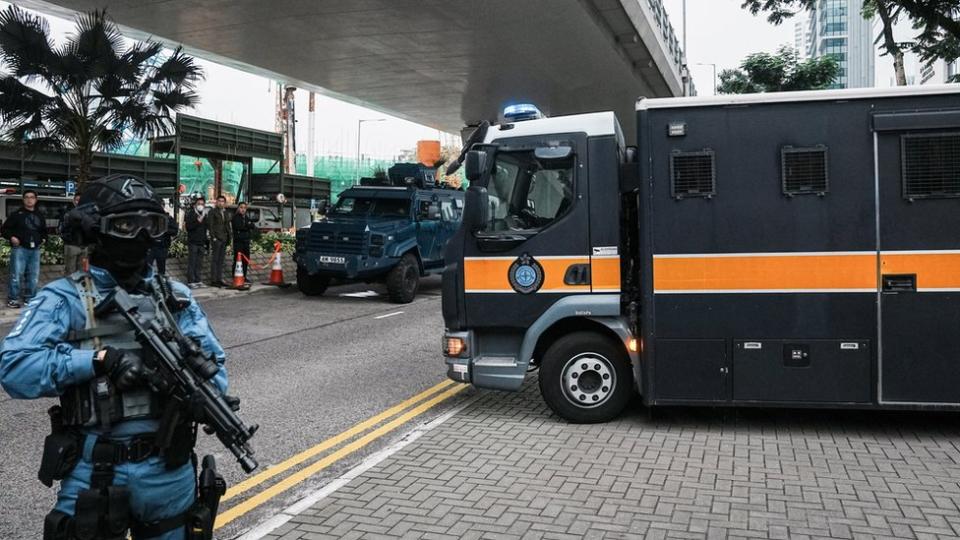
<point x="61" y="450"/>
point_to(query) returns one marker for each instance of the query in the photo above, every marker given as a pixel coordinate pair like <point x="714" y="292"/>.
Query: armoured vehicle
<point x="392" y="229"/>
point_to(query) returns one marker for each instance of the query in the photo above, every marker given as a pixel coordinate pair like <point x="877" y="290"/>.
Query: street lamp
<point x="359" y="125"/>
<point x="714" y="75"/>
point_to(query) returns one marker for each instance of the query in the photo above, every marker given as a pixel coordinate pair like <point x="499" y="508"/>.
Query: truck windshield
<point x="527" y="193"/>
<point x="362" y="206"/>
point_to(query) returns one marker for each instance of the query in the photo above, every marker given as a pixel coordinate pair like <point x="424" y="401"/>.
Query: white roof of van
<point x="784" y="97"/>
<point x="593" y="124"/>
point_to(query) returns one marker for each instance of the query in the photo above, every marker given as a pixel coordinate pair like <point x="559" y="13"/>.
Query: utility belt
<point x="103" y="511"/>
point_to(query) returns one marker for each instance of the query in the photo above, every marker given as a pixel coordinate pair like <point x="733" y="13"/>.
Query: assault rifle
<point x="182" y="372"/>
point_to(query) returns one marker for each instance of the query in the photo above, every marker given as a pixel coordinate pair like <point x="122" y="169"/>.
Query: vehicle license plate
<point x="327" y="259"/>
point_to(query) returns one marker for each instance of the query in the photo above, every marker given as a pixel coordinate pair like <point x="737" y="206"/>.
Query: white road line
<point x="295" y="509"/>
<point x="389" y="315"/>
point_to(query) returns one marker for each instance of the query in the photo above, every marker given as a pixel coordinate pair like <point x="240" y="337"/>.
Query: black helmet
<point x="119" y="193"/>
<point x="119" y="206"/>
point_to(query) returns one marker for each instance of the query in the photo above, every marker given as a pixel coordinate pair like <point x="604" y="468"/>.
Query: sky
<point x="720" y="33"/>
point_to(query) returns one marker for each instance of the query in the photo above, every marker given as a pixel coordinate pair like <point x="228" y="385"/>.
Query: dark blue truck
<point x="392" y="229"/>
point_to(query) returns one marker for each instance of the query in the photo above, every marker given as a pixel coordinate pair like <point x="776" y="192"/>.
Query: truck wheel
<point x="586" y="378"/>
<point x="403" y="281"/>
<point x="311" y="285"/>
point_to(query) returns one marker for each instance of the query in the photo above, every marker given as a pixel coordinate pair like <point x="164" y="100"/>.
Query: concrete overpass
<point x="443" y="63"/>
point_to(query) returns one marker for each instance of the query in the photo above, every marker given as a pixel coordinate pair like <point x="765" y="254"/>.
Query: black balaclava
<point x="125" y="259"/>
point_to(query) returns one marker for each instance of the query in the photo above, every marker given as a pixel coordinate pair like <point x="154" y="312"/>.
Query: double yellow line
<point x="420" y="404"/>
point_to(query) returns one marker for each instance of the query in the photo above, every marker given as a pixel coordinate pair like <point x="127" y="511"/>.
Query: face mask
<point x="199" y="208"/>
<point x="124" y="259"/>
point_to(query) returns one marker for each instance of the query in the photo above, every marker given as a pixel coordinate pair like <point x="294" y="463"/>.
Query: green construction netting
<point x="197" y="174"/>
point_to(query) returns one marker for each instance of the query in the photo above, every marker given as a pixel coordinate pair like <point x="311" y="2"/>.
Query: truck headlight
<point x="454" y="346"/>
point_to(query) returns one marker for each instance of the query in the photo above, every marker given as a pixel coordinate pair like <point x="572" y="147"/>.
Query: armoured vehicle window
<point x="693" y="174"/>
<point x="362" y="206"/>
<point x="527" y="193"/>
<point x="931" y="165"/>
<point x="804" y="170"/>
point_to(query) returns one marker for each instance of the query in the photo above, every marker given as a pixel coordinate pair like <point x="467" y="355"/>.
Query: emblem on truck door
<point x="525" y="274"/>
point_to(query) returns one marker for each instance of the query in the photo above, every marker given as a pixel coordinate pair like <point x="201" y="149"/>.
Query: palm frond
<point x="177" y="70"/>
<point x="25" y="44"/>
<point x="169" y="101"/>
<point x="19" y="102"/>
<point x="95" y="43"/>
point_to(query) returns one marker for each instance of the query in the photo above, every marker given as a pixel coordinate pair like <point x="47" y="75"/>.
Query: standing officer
<point x="27" y="231"/>
<point x="243" y="228"/>
<point x="73" y="248"/>
<point x="115" y="471"/>
<point x="219" y="224"/>
<point x="196" y="241"/>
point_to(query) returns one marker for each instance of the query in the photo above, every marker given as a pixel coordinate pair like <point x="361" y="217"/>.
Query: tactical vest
<point x="97" y="402"/>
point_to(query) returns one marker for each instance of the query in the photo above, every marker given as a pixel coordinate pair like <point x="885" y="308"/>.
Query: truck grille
<point x="336" y="242"/>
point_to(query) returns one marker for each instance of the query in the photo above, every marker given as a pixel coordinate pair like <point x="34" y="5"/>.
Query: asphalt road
<point x="306" y="369"/>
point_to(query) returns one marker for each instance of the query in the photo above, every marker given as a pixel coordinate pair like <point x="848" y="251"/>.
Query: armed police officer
<point x="124" y="461"/>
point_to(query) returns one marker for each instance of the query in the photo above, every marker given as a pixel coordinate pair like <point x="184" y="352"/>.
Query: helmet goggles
<point x="127" y="225"/>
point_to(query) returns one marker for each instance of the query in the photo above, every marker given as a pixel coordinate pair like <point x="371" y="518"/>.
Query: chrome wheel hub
<point x="588" y="379"/>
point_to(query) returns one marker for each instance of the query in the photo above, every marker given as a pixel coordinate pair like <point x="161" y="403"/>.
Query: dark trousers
<point x="218" y="250"/>
<point x="242" y="247"/>
<point x="158" y="256"/>
<point x="194" y="262"/>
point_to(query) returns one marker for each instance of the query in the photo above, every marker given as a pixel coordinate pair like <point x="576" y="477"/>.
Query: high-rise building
<point x="801" y="37"/>
<point x="835" y="27"/>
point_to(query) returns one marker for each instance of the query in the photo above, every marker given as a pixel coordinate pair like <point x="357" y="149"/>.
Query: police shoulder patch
<point x="525" y="274"/>
<point x="28" y="313"/>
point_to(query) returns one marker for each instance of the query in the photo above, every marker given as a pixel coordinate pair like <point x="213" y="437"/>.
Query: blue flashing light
<point x="521" y="111"/>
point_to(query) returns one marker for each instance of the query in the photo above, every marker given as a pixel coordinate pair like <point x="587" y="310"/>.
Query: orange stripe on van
<point x="760" y="272"/>
<point x="934" y="270"/>
<point x="491" y="275"/>
<point x="605" y="274"/>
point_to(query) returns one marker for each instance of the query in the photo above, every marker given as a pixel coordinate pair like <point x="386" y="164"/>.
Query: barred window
<point x="693" y="174"/>
<point x="804" y="170"/>
<point x="931" y="165"/>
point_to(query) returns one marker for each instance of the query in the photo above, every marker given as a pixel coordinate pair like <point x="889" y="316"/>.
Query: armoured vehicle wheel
<point x="403" y="281"/>
<point x="311" y="285"/>
<point x="586" y="378"/>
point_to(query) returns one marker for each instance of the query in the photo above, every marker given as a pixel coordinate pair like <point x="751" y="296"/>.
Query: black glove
<point x="126" y="371"/>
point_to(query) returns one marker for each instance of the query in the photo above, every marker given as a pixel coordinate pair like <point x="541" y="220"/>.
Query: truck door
<point x="919" y="231"/>
<point x="428" y="227"/>
<point x="533" y="250"/>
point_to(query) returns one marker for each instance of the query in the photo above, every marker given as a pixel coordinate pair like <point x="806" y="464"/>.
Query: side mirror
<point x="475" y="164"/>
<point x="476" y="211"/>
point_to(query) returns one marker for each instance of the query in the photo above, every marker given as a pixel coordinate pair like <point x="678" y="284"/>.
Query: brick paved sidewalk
<point x="506" y="468"/>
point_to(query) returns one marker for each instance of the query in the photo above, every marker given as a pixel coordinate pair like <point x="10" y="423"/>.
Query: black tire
<point x="311" y="285"/>
<point x="604" y="370"/>
<point x="403" y="281"/>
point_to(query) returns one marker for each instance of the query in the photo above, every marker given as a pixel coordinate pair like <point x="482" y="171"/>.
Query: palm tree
<point x="83" y="94"/>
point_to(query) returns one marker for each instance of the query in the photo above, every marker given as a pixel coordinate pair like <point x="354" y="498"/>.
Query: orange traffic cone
<point x="276" y="272"/>
<point x="239" y="282"/>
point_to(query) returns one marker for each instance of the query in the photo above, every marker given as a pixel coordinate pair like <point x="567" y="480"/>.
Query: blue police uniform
<point x="37" y="359"/>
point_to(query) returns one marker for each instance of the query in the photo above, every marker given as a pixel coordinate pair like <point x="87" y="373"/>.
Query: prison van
<point x="789" y="249"/>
